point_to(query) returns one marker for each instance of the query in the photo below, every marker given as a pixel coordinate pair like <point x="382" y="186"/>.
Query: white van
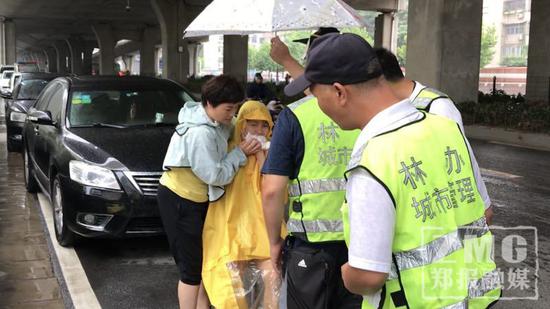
<point x="5" y="80"/>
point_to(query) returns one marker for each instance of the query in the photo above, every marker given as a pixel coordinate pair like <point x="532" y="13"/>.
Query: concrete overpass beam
<point x="538" y="60"/>
<point x="147" y="52"/>
<point x="374" y="5"/>
<point x="63" y="56"/>
<point x="443" y="45"/>
<point x="106" y="42"/>
<point x="235" y="56"/>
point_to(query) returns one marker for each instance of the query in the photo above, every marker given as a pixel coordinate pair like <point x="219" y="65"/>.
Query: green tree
<point x="402" y="20"/>
<point x="488" y="42"/>
<point x="259" y="59"/>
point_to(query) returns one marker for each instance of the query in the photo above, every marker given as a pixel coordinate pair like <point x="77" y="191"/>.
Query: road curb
<point x="75" y="287"/>
<point x="67" y="300"/>
<point x="536" y="141"/>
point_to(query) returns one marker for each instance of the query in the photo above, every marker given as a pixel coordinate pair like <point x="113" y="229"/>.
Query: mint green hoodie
<point x="201" y="144"/>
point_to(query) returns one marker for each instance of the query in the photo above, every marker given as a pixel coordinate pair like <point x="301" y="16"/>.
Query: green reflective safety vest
<point x="442" y="247"/>
<point x="318" y="192"/>
<point x="425" y="97"/>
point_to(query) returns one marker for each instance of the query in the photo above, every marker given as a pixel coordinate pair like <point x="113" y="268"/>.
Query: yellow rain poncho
<point x="236" y="265"/>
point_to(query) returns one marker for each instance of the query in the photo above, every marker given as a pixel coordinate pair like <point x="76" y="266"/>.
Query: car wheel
<point x="30" y="182"/>
<point x="65" y="237"/>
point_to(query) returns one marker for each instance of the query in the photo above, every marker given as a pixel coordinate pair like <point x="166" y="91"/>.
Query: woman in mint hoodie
<point x="197" y="167"/>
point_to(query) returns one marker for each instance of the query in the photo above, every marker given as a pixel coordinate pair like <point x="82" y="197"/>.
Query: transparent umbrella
<point x="242" y="17"/>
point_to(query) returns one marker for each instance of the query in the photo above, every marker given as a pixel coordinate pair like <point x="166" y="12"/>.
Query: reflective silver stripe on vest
<point x="317" y="186"/>
<point x="440" y="247"/>
<point x="393" y="272"/>
<point x="478" y="288"/>
<point x="421" y="103"/>
<point x="295" y="105"/>
<point x="463" y="304"/>
<point x="487" y="283"/>
<point x="315" y="226"/>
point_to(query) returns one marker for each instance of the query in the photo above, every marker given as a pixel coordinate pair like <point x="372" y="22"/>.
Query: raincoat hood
<point x="251" y="110"/>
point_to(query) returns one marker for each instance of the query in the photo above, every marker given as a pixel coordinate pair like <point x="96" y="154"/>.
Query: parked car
<point x="5" y="83"/>
<point x="26" y="67"/>
<point x="95" y="145"/>
<point x="7" y="68"/>
<point x="29" y="86"/>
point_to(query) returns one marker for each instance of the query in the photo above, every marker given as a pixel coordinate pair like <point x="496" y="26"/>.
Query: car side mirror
<point x="40" y="117"/>
<point x="6" y="95"/>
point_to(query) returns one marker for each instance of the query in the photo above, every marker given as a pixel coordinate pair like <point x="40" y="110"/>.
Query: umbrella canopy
<point x="242" y="17"/>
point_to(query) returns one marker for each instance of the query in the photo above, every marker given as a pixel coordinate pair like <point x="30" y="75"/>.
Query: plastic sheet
<point x="256" y="284"/>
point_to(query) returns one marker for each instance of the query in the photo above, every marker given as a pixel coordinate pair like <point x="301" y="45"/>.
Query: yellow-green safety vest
<point x="442" y="246"/>
<point x="317" y="194"/>
<point x="425" y="98"/>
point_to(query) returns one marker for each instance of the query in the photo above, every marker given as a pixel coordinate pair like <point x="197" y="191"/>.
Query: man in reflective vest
<point x="429" y="100"/>
<point x="308" y="155"/>
<point x="416" y="227"/>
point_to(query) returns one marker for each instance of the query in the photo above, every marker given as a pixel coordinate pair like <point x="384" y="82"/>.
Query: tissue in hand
<point x="260" y="138"/>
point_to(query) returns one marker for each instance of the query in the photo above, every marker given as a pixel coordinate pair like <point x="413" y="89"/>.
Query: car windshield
<point x="30" y="89"/>
<point x="126" y="108"/>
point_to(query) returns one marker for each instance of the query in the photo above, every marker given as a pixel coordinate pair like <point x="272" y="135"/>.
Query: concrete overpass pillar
<point x="76" y="49"/>
<point x="51" y="55"/>
<point x="235" y="56"/>
<point x="106" y="41"/>
<point x="174" y="16"/>
<point x="147" y="52"/>
<point x="194" y="58"/>
<point x="7" y="41"/>
<point x="443" y="45"/>
<point x="538" y="58"/>
<point x="63" y="56"/>
<point x="87" y="61"/>
<point x="383" y="28"/>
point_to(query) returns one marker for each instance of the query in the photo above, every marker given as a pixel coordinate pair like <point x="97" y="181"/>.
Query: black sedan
<point x="95" y="146"/>
<point x="23" y="97"/>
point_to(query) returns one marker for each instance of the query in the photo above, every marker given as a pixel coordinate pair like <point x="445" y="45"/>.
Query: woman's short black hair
<point x="222" y="89"/>
<point x="390" y="65"/>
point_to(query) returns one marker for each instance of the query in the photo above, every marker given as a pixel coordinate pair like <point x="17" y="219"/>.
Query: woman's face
<point x="257" y="127"/>
<point x="222" y="113"/>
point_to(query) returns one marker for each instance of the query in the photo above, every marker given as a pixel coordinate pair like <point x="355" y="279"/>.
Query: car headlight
<point x="18" y="117"/>
<point x="93" y="175"/>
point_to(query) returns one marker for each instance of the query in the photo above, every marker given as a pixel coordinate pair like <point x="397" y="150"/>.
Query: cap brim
<point x="297" y="86"/>
<point x="303" y="41"/>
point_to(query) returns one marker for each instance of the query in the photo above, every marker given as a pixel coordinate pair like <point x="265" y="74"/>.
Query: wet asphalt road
<point x="140" y="273"/>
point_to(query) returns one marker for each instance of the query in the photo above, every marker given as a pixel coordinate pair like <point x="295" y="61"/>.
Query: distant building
<point x="511" y="21"/>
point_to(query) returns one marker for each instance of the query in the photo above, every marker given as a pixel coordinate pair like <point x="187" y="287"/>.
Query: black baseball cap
<point x="337" y="58"/>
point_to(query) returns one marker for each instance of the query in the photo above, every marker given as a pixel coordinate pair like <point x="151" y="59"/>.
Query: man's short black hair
<point x="390" y="65"/>
<point x="222" y="89"/>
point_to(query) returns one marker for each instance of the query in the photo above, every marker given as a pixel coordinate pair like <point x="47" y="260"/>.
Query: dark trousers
<point x="314" y="278"/>
<point x="183" y="221"/>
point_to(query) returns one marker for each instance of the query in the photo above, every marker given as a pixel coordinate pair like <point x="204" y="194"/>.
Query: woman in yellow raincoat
<point x="237" y="271"/>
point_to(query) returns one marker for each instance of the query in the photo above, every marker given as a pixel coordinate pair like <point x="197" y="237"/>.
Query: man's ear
<point x="341" y="94"/>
